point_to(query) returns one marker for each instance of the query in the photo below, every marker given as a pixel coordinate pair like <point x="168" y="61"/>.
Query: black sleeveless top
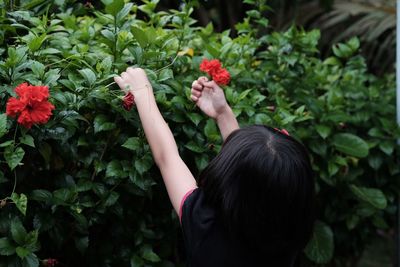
<point x="208" y="245"/>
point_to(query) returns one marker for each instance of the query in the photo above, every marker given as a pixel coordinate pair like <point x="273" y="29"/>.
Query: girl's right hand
<point x="209" y="97"/>
<point x="135" y="81"/>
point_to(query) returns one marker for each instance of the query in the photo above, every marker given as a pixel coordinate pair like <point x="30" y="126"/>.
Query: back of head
<point x="262" y="186"/>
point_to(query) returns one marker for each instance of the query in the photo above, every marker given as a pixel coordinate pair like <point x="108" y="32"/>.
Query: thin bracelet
<point x="127" y="87"/>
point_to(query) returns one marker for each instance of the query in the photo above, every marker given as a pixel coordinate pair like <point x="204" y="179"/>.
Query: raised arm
<point x="210" y="98"/>
<point x="176" y="175"/>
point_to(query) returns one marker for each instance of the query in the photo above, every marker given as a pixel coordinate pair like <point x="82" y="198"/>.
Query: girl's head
<point x="262" y="185"/>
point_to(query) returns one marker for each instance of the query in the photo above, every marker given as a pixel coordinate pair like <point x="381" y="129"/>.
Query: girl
<point x="252" y="205"/>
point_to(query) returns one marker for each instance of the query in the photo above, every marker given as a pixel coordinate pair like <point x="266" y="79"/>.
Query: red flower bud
<point x="222" y="77"/>
<point x="50" y="262"/>
<point x="210" y="66"/>
<point x="129" y="101"/>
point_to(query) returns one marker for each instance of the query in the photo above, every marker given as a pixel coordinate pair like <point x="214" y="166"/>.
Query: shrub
<point x="83" y="188"/>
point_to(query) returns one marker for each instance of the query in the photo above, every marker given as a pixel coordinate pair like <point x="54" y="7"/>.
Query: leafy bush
<point x="83" y="188"/>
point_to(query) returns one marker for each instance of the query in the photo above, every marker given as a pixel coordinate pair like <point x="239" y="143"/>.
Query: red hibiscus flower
<point x="214" y="68"/>
<point x="31" y="106"/>
<point x="222" y="77"/>
<point x="129" y="101"/>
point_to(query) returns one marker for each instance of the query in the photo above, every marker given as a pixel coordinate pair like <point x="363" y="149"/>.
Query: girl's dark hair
<point x="261" y="184"/>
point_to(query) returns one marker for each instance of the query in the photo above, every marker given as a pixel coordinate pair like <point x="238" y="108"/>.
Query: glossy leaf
<point x="13" y="157"/>
<point x="321" y="246"/>
<point x="351" y="145"/>
<point x="373" y="196"/>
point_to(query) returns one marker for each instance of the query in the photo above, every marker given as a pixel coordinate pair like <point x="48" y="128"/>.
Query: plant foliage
<point x="84" y="189"/>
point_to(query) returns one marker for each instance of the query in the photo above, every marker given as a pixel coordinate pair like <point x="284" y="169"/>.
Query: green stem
<point x="115" y="41"/>
<point x="108" y="85"/>
<point x="15" y="172"/>
<point x="15" y="182"/>
<point x="15" y="133"/>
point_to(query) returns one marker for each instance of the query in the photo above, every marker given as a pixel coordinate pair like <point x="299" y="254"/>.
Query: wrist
<point x="225" y="113"/>
<point x="141" y="92"/>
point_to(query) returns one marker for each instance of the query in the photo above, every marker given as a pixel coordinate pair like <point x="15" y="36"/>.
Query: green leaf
<point x="3" y="124"/>
<point x="37" y="68"/>
<point x="18" y="231"/>
<point x="13" y="157"/>
<point x="195" y="147"/>
<point x="323" y="131"/>
<point x="210" y="130"/>
<point x="354" y="43"/>
<point x="31" y="240"/>
<point x="136" y="261"/>
<point x="22" y="252"/>
<point x="373" y="196"/>
<point x="7" y="143"/>
<point x="165" y="74"/>
<point x="101" y="123"/>
<point x="387" y="147"/>
<point x="64" y="195"/>
<point x="352" y="221"/>
<point x="124" y="12"/>
<point x="321" y="246"/>
<point x="111" y="199"/>
<point x="114" y="6"/>
<point x="148" y="254"/>
<point x="195" y="118"/>
<point x="46" y="151"/>
<point x="144" y="164"/>
<point x="140" y="36"/>
<point x="36" y="42"/>
<point x="6" y="247"/>
<point x="351" y="145"/>
<point x="82" y="244"/>
<point x="342" y="51"/>
<point x="114" y="169"/>
<point x="31" y="260"/>
<point x="27" y="140"/>
<point x="133" y="143"/>
<point x="21" y="201"/>
<point x="375" y="161"/>
<point x="41" y="195"/>
<point x="89" y="76"/>
<point x="51" y="76"/>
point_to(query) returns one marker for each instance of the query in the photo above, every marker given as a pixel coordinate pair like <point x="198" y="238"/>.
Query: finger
<point x="194" y="98"/>
<point x="202" y="79"/>
<point x="210" y="84"/>
<point x="134" y="71"/>
<point x="130" y="69"/>
<point x="120" y="82"/>
<point x="196" y="93"/>
<point x="124" y="75"/>
<point x="197" y="86"/>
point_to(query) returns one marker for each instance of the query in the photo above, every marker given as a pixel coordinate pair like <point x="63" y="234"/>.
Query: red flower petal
<point x="21" y="89"/>
<point x="39" y="93"/>
<point x="25" y="119"/>
<point x="14" y="106"/>
<point x="41" y="112"/>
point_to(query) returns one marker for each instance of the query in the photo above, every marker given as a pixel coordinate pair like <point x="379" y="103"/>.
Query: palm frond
<point x="374" y="22"/>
